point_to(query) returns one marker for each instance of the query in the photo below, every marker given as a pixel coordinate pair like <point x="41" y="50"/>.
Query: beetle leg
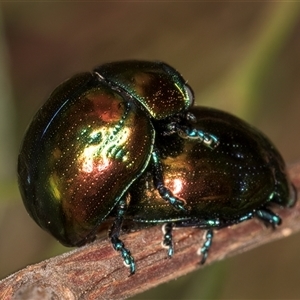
<point x="280" y="190"/>
<point x="268" y="217"/>
<point x="246" y="217"/>
<point x="208" y="236"/>
<point x="114" y="234"/>
<point x="186" y="132"/>
<point x="206" y="245"/>
<point x="163" y="191"/>
<point x="168" y="239"/>
<point x="178" y="125"/>
<point x="207" y="139"/>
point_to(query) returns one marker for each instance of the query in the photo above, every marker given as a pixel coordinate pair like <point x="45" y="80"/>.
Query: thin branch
<point x="96" y="271"/>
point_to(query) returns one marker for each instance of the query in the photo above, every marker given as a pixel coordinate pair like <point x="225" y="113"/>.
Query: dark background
<point x="240" y="57"/>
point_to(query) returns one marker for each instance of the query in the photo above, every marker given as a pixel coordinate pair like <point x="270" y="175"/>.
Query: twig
<point x="96" y="271"/>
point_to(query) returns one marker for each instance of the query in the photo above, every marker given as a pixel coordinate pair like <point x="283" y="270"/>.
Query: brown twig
<point x="96" y="271"/>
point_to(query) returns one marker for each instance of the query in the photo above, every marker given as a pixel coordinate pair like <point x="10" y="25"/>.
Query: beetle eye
<point x="190" y="94"/>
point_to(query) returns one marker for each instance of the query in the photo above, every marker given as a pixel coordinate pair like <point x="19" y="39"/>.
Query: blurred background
<point x="239" y="57"/>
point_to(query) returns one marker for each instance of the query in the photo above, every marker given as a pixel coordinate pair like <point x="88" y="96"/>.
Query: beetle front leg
<point x="207" y="139"/>
<point x="158" y="180"/>
<point x="183" y="126"/>
<point x="114" y="234"/>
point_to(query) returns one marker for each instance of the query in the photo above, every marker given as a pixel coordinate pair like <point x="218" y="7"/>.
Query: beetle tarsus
<point x="118" y="245"/>
<point x="207" y="139"/>
<point x="168" y="238"/>
<point x="268" y="217"/>
<point x="206" y="245"/>
<point x="114" y="234"/>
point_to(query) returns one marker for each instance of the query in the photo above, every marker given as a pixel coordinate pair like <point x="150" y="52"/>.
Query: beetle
<point x="101" y="135"/>
<point x="242" y="178"/>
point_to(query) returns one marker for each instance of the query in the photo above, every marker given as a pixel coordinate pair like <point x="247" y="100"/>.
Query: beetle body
<point x="81" y="140"/>
<point x="124" y="142"/>
<point x="91" y="140"/>
<point x="221" y="186"/>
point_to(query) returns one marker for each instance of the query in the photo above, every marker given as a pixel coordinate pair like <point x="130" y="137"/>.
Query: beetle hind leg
<point x="268" y="217"/>
<point x="114" y="234"/>
<point x="208" y="235"/>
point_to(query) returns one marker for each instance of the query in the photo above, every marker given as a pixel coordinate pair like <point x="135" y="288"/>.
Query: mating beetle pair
<point x="125" y="141"/>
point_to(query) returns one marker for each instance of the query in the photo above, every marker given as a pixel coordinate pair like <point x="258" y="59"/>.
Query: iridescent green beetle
<point x="110" y="140"/>
<point x="242" y="178"/>
<point x="91" y="140"/>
